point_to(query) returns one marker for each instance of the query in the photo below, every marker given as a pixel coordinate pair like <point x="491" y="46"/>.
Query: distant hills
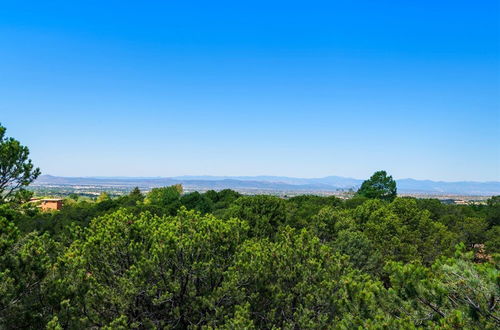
<point x="275" y="183"/>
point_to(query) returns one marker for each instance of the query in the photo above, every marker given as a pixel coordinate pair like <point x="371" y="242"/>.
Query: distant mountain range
<point x="275" y="183"/>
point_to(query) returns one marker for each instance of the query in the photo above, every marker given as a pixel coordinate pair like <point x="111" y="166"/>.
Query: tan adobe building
<point x="49" y="203"/>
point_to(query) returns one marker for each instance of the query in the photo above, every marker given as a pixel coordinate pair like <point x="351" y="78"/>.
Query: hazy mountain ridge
<point x="277" y="183"/>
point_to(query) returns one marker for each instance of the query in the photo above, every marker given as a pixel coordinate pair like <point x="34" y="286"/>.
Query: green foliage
<point x="24" y="273"/>
<point x="164" y="196"/>
<point x="135" y="196"/>
<point x="8" y="236"/>
<point x="164" y="200"/>
<point x="380" y="186"/>
<point x="263" y="213"/>
<point x="355" y="201"/>
<point x="138" y="261"/>
<point x="303" y="208"/>
<point x="473" y="230"/>
<point x="493" y="213"/>
<point x="151" y="270"/>
<point x="329" y="221"/>
<point x="16" y="170"/>
<point x="222" y="200"/>
<point x="454" y="292"/>
<point x="403" y="232"/>
<point x="198" y="202"/>
<point x="492" y="240"/>
<point x="360" y="250"/>
<point x="434" y="206"/>
<point x="298" y="282"/>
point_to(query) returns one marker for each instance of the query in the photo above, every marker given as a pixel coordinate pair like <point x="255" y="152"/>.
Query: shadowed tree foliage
<point x="493" y="213"/>
<point x="452" y="293"/>
<point x="198" y="202"/>
<point x="380" y="186"/>
<point x="165" y="200"/>
<point x="149" y="271"/>
<point x="16" y="169"/>
<point x="264" y="213"/>
<point x="299" y="282"/>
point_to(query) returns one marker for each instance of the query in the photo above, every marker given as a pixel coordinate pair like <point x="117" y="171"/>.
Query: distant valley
<point x="269" y="184"/>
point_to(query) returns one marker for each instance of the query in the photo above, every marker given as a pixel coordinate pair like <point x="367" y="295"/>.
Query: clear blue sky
<point x="305" y="89"/>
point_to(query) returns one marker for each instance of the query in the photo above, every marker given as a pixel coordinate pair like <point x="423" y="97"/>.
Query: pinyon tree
<point x="16" y="169"/>
<point x="380" y="186"/>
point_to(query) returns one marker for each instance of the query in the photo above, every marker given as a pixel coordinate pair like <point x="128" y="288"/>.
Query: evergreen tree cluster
<point x="222" y="260"/>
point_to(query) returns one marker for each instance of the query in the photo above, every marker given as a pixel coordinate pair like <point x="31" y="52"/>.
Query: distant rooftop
<point x="46" y="199"/>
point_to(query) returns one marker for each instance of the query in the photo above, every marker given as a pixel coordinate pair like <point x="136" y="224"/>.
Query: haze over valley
<point x="267" y="184"/>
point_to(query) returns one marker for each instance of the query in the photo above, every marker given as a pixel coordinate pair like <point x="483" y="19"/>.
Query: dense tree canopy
<point x="263" y="262"/>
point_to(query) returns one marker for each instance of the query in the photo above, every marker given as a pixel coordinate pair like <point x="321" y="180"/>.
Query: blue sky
<point x="305" y="89"/>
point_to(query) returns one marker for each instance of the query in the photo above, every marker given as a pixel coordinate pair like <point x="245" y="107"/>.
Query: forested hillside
<point x="167" y="259"/>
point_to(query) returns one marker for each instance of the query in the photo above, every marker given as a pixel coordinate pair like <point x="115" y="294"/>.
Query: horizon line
<point x="257" y="176"/>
